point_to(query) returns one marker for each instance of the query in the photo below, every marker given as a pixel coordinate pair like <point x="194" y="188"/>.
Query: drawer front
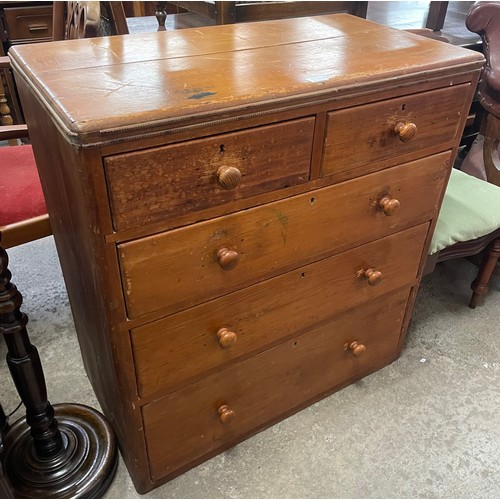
<point x="148" y="186"/>
<point x="192" y="423"/>
<point x="194" y="343"/>
<point x="29" y="23"/>
<point x="366" y="134"/>
<point x="181" y="268"/>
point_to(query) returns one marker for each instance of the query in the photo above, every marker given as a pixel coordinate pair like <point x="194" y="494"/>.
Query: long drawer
<point x="194" y="343"/>
<point x="184" y="267"/>
<point x="375" y="132"/>
<point x="147" y="186"/>
<point x="215" y="413"/>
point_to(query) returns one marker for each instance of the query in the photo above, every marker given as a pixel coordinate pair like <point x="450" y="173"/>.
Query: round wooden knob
<point x="228" y="259"/>
<point x="356" y="348"/>
<point x="226" y="415"/>
<point x="373" y="277"/>
<point x="228" y="177"/>
<point x="226" y="337"/>
<point x="388" y="205"/>
<point x="405" y="131"/>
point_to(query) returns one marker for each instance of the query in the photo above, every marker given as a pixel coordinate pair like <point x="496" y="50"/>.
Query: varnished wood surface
<point x="185" y="425"/>
<point x="273" y="238"/>
<point x="367" y="134"/>
<point x="228" y="58"/>
<point x="185" y="347"/>
<point x="148" y="186"/>
<point x="243" y="203"/>
<point x="138" y="97"/>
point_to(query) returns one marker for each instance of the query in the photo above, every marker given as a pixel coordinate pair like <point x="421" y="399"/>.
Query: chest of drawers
<point x="241" y="212"/>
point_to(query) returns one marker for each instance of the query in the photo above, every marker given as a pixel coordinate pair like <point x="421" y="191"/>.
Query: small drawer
<point x="148" y="186"/>
<point x="372" y="133"/>
<point x="178" y="269"/>
<point x="194" y="343"/>
<point x="206" y="417"/>
<point x="29" y="23"/>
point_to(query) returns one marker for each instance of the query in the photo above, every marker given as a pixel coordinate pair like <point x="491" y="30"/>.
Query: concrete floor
<point x="427" y="426"/>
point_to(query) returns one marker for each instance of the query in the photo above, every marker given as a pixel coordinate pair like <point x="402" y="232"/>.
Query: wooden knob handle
<point x="356" y="348"/>
<point x="373" y="277"/>
<point x="228" y="177"/>
<point x="226" y="415"/>
<point x="226" y="337"/>
<point x="388" y="205"/>
<point x="405" y="131"/>
<point x="228" y="259"/>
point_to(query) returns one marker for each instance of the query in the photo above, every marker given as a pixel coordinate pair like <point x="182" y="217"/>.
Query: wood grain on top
<point x="143" y="78"/>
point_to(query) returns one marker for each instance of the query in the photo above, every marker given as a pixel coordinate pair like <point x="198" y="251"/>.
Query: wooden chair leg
<point x="225" y="12"/>
<point x="480" y="284"/>
<point x="436" y="16"/>
<point x="490" y="149"/>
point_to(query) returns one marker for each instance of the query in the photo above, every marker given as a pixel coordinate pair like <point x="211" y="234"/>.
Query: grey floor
<point x="427" y="426"/>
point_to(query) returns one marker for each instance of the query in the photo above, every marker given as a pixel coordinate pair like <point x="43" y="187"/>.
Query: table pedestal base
<point x="61" y="451"/>
<point x="84" y="468"/>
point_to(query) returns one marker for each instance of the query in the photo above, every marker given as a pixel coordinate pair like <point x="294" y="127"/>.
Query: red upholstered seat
<point x="20" y="190"/>
<point x="23" y="214"/>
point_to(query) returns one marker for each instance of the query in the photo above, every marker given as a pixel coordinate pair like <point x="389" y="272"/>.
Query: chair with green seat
<point x="469" y="222"/>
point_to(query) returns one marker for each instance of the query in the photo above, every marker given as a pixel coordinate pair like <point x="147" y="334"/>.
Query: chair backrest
<point x="23" y="215"/>
<point x="73" y="20"/>
<point x="484" y="19"/>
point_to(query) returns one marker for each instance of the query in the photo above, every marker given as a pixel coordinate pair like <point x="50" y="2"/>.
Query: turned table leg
<point x="59" y="451"/>
<point x="161" y="15"/>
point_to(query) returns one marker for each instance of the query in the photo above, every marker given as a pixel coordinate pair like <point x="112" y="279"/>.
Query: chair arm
<point x="4" y="62"/>
<point x="484" y="19"/>
<point x="8" y="132"/>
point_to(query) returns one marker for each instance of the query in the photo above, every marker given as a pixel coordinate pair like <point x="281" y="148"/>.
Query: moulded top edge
<point x="137" y="82"/>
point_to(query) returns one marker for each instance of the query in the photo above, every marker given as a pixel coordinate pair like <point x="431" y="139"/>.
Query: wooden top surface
<point x="106" y="83"/>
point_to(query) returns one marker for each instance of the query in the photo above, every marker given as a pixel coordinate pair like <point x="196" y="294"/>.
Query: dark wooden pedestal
<point x="61" y="451"/>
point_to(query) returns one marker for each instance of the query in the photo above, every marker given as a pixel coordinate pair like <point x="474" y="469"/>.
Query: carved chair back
<point x="484" y="19"/>
<point x="73" y="20"/>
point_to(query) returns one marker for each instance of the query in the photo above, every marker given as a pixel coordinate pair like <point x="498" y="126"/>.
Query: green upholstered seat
<point x="470" y="209"/>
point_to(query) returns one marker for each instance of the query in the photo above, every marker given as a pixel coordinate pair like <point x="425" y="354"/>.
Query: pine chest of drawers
<point x="242" y="213"/>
